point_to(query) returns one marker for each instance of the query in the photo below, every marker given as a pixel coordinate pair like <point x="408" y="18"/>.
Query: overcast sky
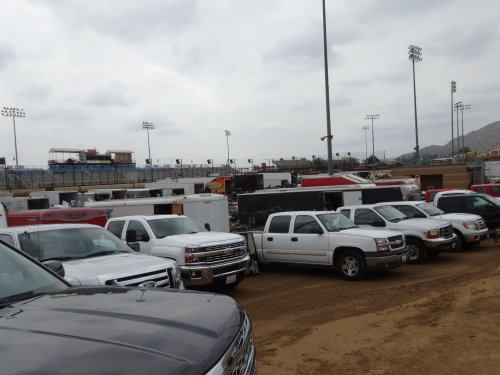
<point x="88" y="73"/>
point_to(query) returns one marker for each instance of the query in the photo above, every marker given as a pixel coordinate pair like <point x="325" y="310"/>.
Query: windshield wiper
<point x="103" y="252"/>
<point x="19" y="297"/>
<point x="60" y="258"/>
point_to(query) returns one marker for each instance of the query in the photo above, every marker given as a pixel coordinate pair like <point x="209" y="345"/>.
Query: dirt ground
<point x="441" y="317"/>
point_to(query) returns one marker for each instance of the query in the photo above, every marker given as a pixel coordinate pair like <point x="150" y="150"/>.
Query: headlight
<point x="382" y="244"/>
<point x="470" y="225"/>
<point x="434" y="233"/>
<point x="191" y="256"/>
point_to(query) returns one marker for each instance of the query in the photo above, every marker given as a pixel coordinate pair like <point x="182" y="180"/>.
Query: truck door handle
<point x="269" y="238"/>
<point x="294" y="239"/>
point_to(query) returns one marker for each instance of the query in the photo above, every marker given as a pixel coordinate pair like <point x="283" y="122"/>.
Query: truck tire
<point x="351" y="264"/>
<point x="460" y="241"/>
<point x="417" y="253"/>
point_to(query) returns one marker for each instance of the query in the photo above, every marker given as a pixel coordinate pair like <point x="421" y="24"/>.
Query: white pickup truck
<point x="91" y="255"/>
<point x="205" y="258"/>
<point x="328" y="239"/>
<point x="469" y="228"/>
<point x="423" y="236"/>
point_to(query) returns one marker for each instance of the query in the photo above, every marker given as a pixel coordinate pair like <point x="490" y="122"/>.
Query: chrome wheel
<point x="350" y="266"/>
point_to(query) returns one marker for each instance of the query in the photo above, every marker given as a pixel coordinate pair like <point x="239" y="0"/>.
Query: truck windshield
<point x="390" y="213"/>
<point x="430" y="209"/>
<point x="70" y="243"/>
<point x="21" y="278"/>
<point x="164" y="227"/>
<point x="335" y="222"/>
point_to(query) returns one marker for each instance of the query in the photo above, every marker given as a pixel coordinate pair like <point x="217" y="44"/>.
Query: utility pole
<point x="365" y="128"/>
<point x="327" y="95"/>
<point x="453" y="89"/>
<point x="373" y="117"/>
<point x="415" y="54"/>
<point x="149" y="126"/>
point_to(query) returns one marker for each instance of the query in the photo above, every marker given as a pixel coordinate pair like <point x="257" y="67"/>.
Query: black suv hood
<point x="117" y="331"/>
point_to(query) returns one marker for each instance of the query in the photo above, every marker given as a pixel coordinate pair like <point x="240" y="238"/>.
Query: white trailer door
<point x="352" y="198"/>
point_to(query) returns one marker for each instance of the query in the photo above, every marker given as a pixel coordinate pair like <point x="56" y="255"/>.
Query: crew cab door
<point x="308" y="241"/>
<point x="276" y="239"/>
<point x="368" y="218"/>
<point x="137" y="236"/>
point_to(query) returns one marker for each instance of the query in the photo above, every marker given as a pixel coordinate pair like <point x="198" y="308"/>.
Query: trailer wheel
<point x="351" y="265"/>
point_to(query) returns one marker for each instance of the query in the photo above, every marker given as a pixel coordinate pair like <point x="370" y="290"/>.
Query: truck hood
<point x="96" y="270"/>
<point x="370" y="233"/>
<point x="200" y="239"/>
<point x="423" y="224"/>
<point x="458" y="217"/>
<point x="119" y="331"/>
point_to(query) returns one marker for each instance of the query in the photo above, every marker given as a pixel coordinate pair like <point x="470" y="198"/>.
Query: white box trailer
<point x="212" y="209"/>
<point x="16" y="204"/>
<point x="181" y="186"/>
<point x="57" y="198"/>
<point x="272" y="180"/>
<point x="491" y="170"/>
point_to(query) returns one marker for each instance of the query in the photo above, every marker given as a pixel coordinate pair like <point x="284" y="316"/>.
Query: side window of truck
<point x="451" y="204"/>
<point x="280" y="224"/>
<point x="7" y="238"/>
<point x="476" y="202"/>
<point x="410" y="211"/>
<point x="346" y="213"/>
<point x="116" y="227"/>
<point x="140" y="230"/>
<point x="305" y="224"/>
<point x="365" y="216"/>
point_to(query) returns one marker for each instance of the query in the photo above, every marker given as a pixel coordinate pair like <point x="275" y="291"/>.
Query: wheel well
<point x="413" y="238"/>
<point x="339" y="250"/>
<point x="458" y="233"/>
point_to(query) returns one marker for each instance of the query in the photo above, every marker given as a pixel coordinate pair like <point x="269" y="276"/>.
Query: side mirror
<point x="56" y="266"/>
<point x="207" y="226"/>
<point x="316" y="230"/>
<point x="378" y="223"/>
<point x="131" y="236"/>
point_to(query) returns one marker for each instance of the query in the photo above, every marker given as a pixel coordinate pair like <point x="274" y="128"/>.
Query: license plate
<point x="231" y="279"/>
<point x="453" y="245"/>
<point x="403" y="258"/>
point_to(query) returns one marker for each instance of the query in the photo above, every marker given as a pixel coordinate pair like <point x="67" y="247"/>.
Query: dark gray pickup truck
<point x="49" y="327"/>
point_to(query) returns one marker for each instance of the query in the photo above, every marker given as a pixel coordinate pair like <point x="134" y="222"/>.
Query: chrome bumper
<point x="203" y="274"/>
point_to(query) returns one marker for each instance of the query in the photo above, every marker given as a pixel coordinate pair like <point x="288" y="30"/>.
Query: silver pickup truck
<point x="328" y="239"/>
<point x="423" y="236"/>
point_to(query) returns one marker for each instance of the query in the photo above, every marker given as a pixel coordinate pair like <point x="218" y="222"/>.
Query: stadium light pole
<point x="373" y="117"/>
<point x="462" y="108"/>
<point x="228" y="133"/>
<point x="415" y="55"/>
<point x="14" y="112"/>
<point x="327" y="95"/>
<point x="149" y="126"/>
<point x="453" y="89"/>
<point x="365" y="128"/>
<point x="457" y="106"/>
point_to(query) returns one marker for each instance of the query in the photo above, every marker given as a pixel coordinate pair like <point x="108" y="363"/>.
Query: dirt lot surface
<point x="441" y="317"/>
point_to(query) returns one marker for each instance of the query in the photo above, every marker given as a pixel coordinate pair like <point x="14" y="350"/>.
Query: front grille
<point x="396" y="242"/>
<point x="243" y="352"/>
<point x="220" y="253"/>
<point x="447" y="232"/>
<point x="159" y="279"/>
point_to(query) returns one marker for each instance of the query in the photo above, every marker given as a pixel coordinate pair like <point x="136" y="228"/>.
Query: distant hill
<point x="484" y="139"/>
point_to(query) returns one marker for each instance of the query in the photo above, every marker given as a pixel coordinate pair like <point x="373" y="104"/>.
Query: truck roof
<point x="147" y="217"/>
<point x="366" y="205"/>
<point x="44" y="227"/>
